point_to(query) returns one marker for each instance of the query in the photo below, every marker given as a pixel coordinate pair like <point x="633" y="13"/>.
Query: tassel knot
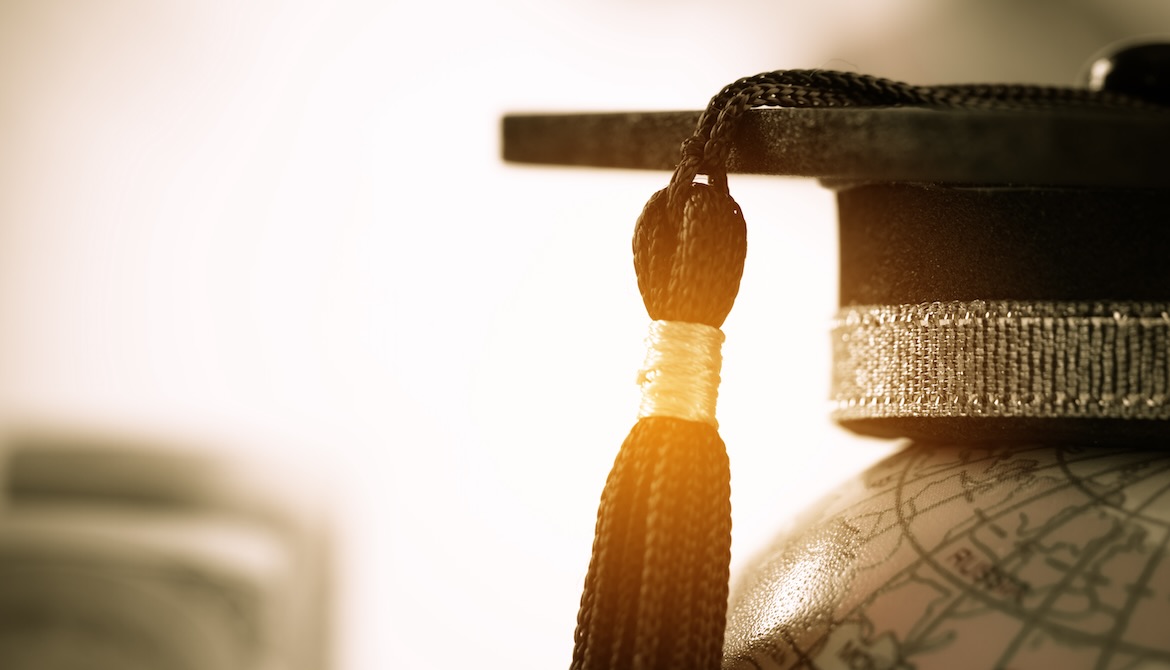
<point x="689" y="248"/>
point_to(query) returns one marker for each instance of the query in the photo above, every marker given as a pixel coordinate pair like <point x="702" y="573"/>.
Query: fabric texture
<point x="1003" y="359"/>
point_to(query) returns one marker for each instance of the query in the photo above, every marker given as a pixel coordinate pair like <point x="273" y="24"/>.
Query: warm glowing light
<point x="283" y="230"/>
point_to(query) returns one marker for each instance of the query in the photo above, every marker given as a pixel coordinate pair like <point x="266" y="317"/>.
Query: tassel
<point x="656" y="591"/>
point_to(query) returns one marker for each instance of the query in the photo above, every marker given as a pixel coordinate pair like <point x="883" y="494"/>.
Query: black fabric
<point x="910" y="243"/>
<point x="1018" y="430"/>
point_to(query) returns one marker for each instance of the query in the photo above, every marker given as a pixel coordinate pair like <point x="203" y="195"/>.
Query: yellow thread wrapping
<point x="680" y="377"/>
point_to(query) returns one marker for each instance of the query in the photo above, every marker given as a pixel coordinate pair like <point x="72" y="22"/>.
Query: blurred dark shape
<point x="1140" y="70"/>
<point x="117" y="557"/>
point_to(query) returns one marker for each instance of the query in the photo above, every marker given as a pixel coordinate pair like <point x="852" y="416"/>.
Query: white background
<point x="283" y="229"/>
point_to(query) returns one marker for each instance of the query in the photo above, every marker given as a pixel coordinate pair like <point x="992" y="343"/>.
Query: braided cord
<point x="706" y="151"/>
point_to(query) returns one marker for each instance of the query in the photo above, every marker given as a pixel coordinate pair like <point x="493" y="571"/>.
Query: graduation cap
<point x="1005" y="276"/>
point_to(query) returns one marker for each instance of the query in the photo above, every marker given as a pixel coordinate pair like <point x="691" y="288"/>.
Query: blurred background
<point x="277" y="236"/>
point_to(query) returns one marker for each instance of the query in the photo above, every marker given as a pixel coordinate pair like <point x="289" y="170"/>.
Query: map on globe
<point x="969" y="557"/>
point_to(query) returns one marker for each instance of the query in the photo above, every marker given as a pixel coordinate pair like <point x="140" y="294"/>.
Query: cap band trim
<point x="1002" y="359"/>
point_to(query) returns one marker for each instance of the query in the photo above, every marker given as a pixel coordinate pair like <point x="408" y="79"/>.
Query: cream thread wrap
<point x="680" y="377"/>
<point x="1003" y="359"/>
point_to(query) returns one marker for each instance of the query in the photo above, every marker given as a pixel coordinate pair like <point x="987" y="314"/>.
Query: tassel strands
<point x="656" y="590"/>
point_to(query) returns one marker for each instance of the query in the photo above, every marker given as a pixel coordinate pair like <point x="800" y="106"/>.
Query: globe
<point x="960" y="556"/>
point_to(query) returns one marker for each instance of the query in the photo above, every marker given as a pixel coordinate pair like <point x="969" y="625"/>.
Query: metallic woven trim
<point x="1002" y="359"/>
